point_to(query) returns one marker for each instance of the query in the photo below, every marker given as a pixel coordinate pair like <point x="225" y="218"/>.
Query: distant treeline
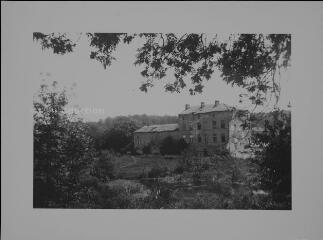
<point x="139" y="119"/>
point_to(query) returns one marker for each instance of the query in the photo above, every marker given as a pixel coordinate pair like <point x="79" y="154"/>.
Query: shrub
<point x="179" y="169"/>
<point x="171" y="146"/>
<point x="156" y="172"/>
<point x="146" y="149"/>
<point x="161" y="197"/>
<point x="104" y="167"/>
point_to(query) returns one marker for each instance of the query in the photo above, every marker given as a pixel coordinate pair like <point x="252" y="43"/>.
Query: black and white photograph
<point x="161" y="120"/>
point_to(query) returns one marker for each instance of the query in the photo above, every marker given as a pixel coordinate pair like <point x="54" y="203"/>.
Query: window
<point x="190" y="127"/>
<point x="214" y="138"/>
<point x="199" y="139"/>
<point x="205" y="153"/>
<point x="222" y="124"/>
<point x="223" y="138"/>
<point x="206" y="139"/>
<point x="214" y="124"/>
<point x="198" y="116"/>
<point x="199" y="126"/>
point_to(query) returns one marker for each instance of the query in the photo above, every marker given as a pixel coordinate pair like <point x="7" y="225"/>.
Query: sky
<point x="99" y="93"/>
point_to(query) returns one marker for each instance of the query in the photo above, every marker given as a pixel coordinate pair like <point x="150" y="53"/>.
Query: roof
<point x="158" y="128"/>
<point x="208" y="108"/>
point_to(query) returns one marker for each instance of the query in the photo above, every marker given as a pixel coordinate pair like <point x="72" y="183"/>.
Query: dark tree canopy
<point x="274" y="155"/>
<point x="120" y="135"/>
<point x="251" y="61"/>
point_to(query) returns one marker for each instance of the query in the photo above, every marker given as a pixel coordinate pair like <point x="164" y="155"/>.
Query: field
<point x="218" y="182"/>
<point x="131" y="167"/>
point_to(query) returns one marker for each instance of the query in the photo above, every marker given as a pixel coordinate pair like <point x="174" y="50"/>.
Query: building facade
<point x="209" y="128"/>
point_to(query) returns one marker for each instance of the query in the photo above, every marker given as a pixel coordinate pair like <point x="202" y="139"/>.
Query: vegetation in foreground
<point x="217" y="182"/>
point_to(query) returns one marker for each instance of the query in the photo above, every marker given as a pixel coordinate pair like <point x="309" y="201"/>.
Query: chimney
<point x="216" y="103"/>
<point x="202" y="104"/>
<point x="187" y="106"/>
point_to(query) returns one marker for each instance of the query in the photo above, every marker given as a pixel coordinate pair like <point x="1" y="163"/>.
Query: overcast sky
<point x="115" y="91"/>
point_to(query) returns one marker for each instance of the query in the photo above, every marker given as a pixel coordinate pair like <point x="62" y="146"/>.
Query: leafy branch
<point x="250" y="61"/>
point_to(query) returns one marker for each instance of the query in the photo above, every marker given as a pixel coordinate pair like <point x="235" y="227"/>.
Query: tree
<point x="251" y="61"/>
<point x="274" y="156"/>
<point x="62" y="150"/>
<point x="120" y="135"/>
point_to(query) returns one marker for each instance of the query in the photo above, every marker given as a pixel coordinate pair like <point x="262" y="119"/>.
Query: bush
<point x="160" y="197"/>
<point x="156" y="172"/>
<point x="146" y="149"/>
<point x="104" y="167"/>
<point x="171" y="146"/>
<point x="179" y="169"/>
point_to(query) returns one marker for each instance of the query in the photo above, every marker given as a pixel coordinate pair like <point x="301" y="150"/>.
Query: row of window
<point x="198" y="116"/>
<point x="199" y="139"/>
<point x="205" y="138"/>
<point x="214" y="138"/>
<point x="199" y="125"/>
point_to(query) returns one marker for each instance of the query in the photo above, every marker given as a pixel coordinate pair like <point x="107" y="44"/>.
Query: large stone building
<point x="208" y="127"/>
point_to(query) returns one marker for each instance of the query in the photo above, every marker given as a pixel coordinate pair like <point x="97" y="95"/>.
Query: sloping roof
<point x="208" y="108"/>
<point x="158" y="128"/>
